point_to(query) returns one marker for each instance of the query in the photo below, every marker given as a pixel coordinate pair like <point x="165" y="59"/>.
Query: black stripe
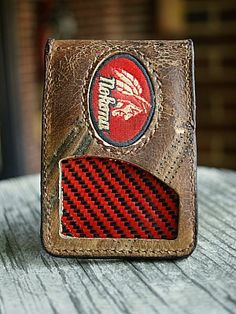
<point x="117" y="212"/>
<point x="129" y="210"/>
<point x="174" y="199"/>
<point x="96" y="185"/>
<point x="71" y="222"/>
<point x="100" y="206"/>
<point x="78" y="213"/>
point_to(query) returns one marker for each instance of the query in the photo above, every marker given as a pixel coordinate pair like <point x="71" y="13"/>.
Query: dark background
<point x="25" y="26"/>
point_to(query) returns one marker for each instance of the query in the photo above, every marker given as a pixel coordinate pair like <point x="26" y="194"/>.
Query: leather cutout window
<point x="108" y="198"/>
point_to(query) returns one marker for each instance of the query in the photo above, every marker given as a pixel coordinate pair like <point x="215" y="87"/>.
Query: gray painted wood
<point x="31" y="281"/>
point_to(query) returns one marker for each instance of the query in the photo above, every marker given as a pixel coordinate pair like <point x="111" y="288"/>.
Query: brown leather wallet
<point x="119" y="149"/>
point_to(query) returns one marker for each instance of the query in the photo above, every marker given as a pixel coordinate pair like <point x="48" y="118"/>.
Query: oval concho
<point x="121" y="100"/>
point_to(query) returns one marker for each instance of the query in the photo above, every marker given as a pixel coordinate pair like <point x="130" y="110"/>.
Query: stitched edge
<point x="84" y="116"/>
<point x="174" y="156"/>
<point x="47" y="113"/>
<point x="132" y="250"/>
<point x="158" y="98"/>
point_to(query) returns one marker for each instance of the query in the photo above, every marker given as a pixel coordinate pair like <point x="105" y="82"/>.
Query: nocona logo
<point x="121" y="100"/>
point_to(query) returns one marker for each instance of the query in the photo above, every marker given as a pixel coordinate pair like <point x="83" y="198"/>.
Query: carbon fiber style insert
<point x="108" y="198"/>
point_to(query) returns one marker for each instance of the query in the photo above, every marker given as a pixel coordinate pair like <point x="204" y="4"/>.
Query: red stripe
<point x="117" y="203"/>
<point x="155" y="197"/>
<point x="100" y="197"/>
<point x="133" y="206"/>
<point x="91" y="221"/>
<point x="83" y="209"/>
<point x="77" y="219"/>
<point x="66" y="223"/>
<point x="168" y="216"/>
<point x="90" y="185"/>
<point x="121" y="208"/>
<point x="165" y="195"/>
<point x="145" y="204"/>
<point x="116" y="179"/>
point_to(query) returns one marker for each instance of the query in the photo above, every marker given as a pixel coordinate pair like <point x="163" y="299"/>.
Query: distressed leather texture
<point x="167" y="149"/>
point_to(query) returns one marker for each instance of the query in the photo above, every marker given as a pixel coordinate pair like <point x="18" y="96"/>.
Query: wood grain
<point x="31" y="281"/>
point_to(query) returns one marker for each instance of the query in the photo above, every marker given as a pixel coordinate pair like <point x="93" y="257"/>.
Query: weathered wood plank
<point x="31" y="281"/>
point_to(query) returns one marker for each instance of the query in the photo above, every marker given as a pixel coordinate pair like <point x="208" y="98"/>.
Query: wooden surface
<point x="31" y="281"/>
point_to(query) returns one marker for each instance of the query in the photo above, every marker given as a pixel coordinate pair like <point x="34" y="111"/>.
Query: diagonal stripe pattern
<point x="106" y="198"/>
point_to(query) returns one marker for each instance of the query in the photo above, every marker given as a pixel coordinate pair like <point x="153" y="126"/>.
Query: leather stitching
<point x="154" y="124"/>
<point x="46" y="118"/>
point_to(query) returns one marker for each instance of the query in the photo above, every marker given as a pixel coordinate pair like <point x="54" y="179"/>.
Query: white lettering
<point x="106" y="85"/>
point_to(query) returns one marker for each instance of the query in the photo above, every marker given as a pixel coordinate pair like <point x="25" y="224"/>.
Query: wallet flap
<point x="152" y="80"/>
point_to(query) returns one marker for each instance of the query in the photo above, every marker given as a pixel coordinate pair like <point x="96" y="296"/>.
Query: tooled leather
<point x="167" y="150"/>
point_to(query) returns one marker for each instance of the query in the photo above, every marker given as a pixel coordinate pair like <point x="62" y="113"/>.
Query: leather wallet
<point x="119" y="148"/>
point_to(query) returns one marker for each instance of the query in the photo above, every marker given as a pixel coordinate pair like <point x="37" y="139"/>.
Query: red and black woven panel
<point x="105" y="198"/>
